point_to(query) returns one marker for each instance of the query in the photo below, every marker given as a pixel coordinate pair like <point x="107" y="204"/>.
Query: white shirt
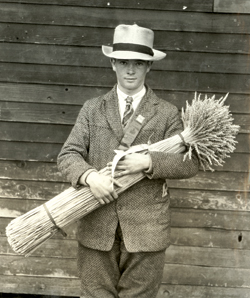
<point x="136" y="99"/>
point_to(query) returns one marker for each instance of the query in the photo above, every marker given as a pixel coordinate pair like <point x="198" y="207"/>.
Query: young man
<point x="122" y="244"/>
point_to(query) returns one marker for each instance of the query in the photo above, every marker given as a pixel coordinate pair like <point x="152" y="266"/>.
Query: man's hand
<point x="132" y="163"/>
<point x="102" y="188"/>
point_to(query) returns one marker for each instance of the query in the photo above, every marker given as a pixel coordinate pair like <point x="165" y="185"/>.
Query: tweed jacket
<point x="142" y="210"/>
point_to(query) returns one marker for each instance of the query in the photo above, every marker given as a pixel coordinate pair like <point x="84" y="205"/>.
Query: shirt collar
<point x="136" y="97"/>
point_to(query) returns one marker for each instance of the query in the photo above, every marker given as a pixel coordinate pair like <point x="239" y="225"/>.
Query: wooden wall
<point x="51" y="62"/>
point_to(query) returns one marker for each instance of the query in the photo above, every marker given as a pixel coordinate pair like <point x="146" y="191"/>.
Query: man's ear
<point x="112" y="61"/>
<point x="149" y="65"/>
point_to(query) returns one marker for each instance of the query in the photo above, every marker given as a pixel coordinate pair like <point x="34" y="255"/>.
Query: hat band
<point x="133" y="48"/>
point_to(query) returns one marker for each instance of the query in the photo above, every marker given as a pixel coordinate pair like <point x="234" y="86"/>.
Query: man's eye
<point x="139" y="64"/>
<point x="123" y="62"/>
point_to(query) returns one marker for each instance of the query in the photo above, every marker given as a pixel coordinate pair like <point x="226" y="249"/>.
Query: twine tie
<point x="128" y="111"/>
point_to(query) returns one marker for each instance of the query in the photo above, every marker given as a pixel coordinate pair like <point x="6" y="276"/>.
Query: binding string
<point x="53" y="221"/>
<point x="183" y="140"/>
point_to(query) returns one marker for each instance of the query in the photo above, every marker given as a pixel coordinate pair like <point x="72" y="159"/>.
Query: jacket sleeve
<point x="72" y="158"/>
<point x="172" y="165"/>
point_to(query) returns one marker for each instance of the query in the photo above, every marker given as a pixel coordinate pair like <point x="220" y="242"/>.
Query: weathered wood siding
<point x="51" y="62"/>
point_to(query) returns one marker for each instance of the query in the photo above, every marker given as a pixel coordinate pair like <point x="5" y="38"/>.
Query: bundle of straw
<point x="208" y="129"/>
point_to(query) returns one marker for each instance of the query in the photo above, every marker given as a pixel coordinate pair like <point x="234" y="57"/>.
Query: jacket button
<point x="119" y="208"/>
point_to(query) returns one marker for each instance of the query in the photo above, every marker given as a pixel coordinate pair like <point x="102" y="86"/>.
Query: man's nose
<point x="131" y="68"/>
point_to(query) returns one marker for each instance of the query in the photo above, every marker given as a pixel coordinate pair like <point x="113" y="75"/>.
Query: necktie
<point x="128" y="111"/>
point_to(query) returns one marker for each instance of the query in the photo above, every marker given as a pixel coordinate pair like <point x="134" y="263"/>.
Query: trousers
<point x="118" y="273"/>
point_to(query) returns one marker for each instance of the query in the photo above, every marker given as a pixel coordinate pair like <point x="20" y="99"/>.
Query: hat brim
<point x="108" y="51"/>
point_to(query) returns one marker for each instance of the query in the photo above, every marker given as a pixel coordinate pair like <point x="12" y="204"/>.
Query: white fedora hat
<point x="133" y="42"/>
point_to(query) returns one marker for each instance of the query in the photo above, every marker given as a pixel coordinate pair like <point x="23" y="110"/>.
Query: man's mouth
<point x="130" y="79"/>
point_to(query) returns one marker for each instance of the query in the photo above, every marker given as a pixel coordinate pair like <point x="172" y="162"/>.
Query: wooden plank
<point x="67" y="114"/>
<point x="205" y="256"/>
<point x="173" y="273"/>
<point x="10" y="150"/>
<point x="60" y="35"/>
<point x="185" y="255"/>
<point x="237" y="163"/>
<point x="65" y="75"/>
<point x="221" y="181"/>
<point x="35" y="93"/>
<point x="210" y="238"/>
<point x="53" y="248"/>
<point x="243" y="121"/>
<point x="33" y="266"/>
<point x="206" y="276"/>
<point x="200" y="42"/>
<point x="228" y="220"/>
<point x="46" y="133"/>
<point x="197" y="237"/>
<point x="74" y="95"/>
<point x="39" y="112"/>
<point x="209" y="274"/>
<point x="95" y="37"/>
<point x="29" y="151"/>
<point x="180" y="291"/>
<point x="23" y="116"/>
<point x="40" y="286"/>
<point x="243" y="139"/>
<point x="200" y="82"/>
<point x="30" y="189"/>
<point x="210" y="200"/>
<point x="87" y="56"/>
<point x="187" y="5"/>
<point x="180" y="198"/>
<point x="205" y="62"/>
<point x="186" y="218"/>
<point x="33" y="132"/>
<point x="47" y="128"/>
<point x="12" y="208"/>
<point x="228" y="181"/>
<point x="229" y="6"/>
<point x="84" y="76"/>
<point x="233" y="101"/>
<point x="28" y="170"/>
<point x="53" y="55"/>
<point x="48" y="152"/>
<point x="70" y="287"/>
<point x="105" y="17"/>
<point x="181" y="217"/>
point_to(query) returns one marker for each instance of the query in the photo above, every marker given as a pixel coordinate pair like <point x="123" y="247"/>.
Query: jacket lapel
<point x="112" y="113"/>
<point x="147" y="109"/>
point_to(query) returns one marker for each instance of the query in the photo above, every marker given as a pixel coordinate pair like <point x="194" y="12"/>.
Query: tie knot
<point x="129" y="100"/>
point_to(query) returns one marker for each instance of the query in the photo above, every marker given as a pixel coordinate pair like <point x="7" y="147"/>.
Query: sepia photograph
<point x="124" y="149"/>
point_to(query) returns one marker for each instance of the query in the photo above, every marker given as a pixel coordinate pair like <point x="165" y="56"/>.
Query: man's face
<point x="130" y="74"/>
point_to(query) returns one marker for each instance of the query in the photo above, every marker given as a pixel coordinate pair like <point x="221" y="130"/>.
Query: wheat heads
<point x="209" y="129"/>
